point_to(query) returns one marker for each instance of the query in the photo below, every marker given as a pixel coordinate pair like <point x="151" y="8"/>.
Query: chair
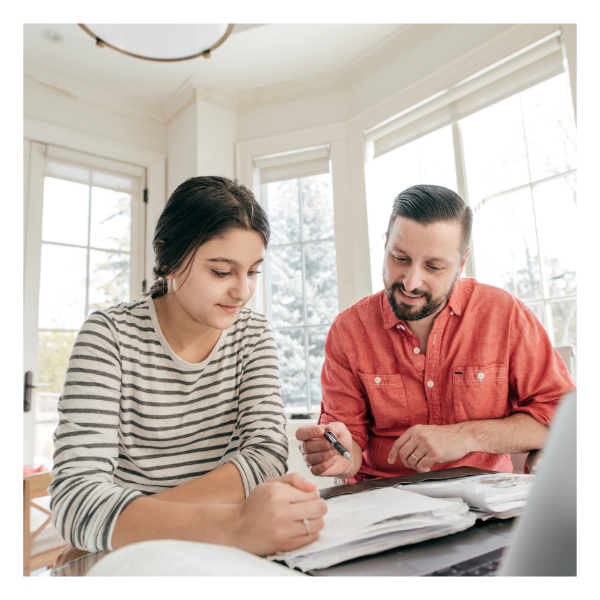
<point x="567" y="353"/>
<point x="42" y="546"/>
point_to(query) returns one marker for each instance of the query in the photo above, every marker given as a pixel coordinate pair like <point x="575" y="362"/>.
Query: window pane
<point x="65" y="218"/>
<point x="109" y="279"/>
<point x="505" y="245"/>
<point x="494" y="149"/>
<point x="321" y="282"/>
<point x="292" y="368"/>
<point x="62" y="287"/>
<point x="436" y="158"/>
<point x="46" y="406"/>
<point x="285" y="279"/>
<point x="284" y="211"/>
<point x="428" y="160"/>
<point x="44" y="444"/>
<point x="550" y="127"/>
<point x="111" y="220"/>
<point x="317" y="207"/>
<point x="316" y="356"/>
<point x="556" y="214"/>
<point x="54" y="349"/>
<point x="564" y="322"/>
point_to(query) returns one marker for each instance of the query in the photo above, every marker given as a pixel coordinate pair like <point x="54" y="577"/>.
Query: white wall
<point x="182" y="146"/>
<point x="61" y="108"/>
<point x="215" y="139"/>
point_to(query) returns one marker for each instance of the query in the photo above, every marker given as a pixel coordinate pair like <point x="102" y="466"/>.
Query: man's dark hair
<point x="427" y="204"/>
<point x="199" y="210"/>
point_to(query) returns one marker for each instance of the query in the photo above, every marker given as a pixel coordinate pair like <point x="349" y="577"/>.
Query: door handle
<point x="29" y="385"/>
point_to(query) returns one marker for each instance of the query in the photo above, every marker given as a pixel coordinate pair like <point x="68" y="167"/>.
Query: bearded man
<point x="436" y="371"/>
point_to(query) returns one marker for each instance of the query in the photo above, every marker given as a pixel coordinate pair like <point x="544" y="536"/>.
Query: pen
<point x="332" y="439"/>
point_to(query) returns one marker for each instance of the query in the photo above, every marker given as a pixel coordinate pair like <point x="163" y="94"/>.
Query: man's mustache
<point x="400" y="286"/>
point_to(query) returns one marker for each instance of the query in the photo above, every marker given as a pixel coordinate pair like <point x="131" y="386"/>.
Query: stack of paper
<point x="377" y="520"/>
<point x="501" y="495"/>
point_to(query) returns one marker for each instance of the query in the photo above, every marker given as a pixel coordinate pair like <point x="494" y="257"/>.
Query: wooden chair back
<point x="42" y="546"/>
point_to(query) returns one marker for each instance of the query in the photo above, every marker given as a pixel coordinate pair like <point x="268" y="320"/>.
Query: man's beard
<point x="406" y="312"/>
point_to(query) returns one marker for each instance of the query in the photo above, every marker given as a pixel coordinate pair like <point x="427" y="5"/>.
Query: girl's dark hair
<point x="427" y="204"/>
<point x="200" y="209"/>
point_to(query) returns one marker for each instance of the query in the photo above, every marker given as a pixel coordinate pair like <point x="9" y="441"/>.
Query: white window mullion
<point x="304" y="302"/>
<point x="462" y="189"/>
<point x="87" y="269"/>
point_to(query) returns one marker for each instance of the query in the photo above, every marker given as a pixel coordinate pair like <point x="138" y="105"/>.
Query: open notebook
<point x="378" y="519"/>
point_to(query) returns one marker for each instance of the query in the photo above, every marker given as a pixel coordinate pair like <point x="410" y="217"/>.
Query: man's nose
<point x="413" y="279"/>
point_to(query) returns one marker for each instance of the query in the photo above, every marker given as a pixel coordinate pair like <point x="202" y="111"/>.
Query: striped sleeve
<point x="85" y="501"/>
<point x="263" y="449"/>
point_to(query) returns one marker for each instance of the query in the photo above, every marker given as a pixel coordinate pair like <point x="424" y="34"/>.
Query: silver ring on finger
<point x="305" y="521"/>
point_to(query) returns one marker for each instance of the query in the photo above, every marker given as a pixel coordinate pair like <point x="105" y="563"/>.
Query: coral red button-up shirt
<point x="487" y="358"/>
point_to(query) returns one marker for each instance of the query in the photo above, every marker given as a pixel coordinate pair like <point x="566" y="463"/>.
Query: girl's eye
<point x="221" y="273"/>
<point x="253" y="272"/>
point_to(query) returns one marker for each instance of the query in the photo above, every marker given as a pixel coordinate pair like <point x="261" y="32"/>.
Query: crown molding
<point x="190" y="90"/>
<point x="340" y="80"/>
<point x="56" y="84"/>
<point x="385" y="51"/>
<point x="405" y="38"/>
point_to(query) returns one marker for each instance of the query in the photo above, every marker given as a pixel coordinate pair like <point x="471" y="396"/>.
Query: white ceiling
<point x="252" y="57"/>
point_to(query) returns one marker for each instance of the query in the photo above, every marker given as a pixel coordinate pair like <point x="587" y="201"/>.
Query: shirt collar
<point x="391" y="320"/>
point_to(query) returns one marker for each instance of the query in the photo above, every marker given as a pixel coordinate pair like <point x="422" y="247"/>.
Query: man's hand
<point x="318" y="453"/>
<point x="431" y="444"/>
<point x="271" y="518"/>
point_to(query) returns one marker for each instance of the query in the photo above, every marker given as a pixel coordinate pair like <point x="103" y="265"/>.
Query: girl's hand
<point x="271" y="518"/>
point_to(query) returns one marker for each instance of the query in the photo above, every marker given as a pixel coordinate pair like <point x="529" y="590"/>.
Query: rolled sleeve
<point x="263" y="446"/>
<point x="538" y="377"/>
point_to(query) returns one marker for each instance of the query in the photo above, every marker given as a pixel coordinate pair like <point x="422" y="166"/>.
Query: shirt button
<point x="480" y="375"/>
<point x="430" y="384"/>
<point x="416" y="350"/>
<point x="377" y="380"/>
<point x="451" y="312"/>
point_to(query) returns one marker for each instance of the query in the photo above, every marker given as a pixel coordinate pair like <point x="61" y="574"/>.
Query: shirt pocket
<point x="480" y="392"/>
<point x="387" y="399"/>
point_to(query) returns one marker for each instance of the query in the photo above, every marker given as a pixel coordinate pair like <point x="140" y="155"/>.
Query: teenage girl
<point x="171" y="418"/>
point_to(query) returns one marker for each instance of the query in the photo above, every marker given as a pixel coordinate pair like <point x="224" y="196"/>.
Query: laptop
<point x="543" y="541"/>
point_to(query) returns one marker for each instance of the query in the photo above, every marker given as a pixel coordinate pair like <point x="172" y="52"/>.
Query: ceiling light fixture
<point x="160" y="42"/>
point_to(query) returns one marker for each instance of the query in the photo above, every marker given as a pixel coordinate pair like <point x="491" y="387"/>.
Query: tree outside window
<point x="301" y="283"/>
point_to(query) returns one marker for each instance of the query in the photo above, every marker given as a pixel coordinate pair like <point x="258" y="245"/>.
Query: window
<point x="520" y="159"/>
<point x="429" y="159"/>
<point x="515" y="163"/>
<point x="86" y="264"/>
<point x="301" y="283"/>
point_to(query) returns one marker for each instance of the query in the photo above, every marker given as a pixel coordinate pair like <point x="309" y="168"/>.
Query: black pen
<point x="332" y="439"/>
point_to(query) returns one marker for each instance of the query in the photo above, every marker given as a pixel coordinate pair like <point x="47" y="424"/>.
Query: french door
<point x="84" y="243"/>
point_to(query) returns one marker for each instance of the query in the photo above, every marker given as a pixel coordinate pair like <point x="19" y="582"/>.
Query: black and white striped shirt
<point x="136" y="419"/>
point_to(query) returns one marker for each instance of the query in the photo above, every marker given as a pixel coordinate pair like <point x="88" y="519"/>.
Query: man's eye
<point x="221" y="273"/>
<point x="435" y="268"/>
